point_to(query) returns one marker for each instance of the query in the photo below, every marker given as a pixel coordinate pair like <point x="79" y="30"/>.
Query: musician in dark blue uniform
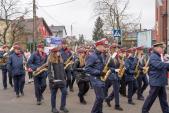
<point x="4" y="55"/>
<point x="66" y="54"/>
<point x="142" y="79"/>
<point x="157" y="80"/>
<point x="16" y="64"/>
<point x="36" y="60"/>
<point x="130" y="65"/>
<point x="114" y="80"/>
<point x="94" y="67"/>
<point x="81" y="77"/>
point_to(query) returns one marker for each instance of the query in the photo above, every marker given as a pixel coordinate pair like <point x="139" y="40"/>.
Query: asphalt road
<point x="27" y="104"/>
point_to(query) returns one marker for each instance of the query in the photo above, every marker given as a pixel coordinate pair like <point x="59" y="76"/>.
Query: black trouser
<point x="40" y="86"/>
<point x="5" y="74"/>
<point x="83" y="89"/>
<point x="19" y="82"/>
<point x="73" y="79"/>
<point x="153" y="93"/>
<point x="30" y="75"/>
<point x="142" y="84"/>
<point x="108" y="84"/>
<point x="115" y="93"/>
<point x="68" y="78"/>
<point x="132" y="88"/>
<point x="123" y="86"/>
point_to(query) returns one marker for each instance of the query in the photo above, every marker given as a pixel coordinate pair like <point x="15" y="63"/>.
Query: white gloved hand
<point x="117" y="70"/>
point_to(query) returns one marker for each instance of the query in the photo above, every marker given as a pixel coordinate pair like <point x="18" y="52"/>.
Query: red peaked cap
<point x="131" y="50"/>
<point x="17" y="47"/>
<point x="40" y="46"/>
<point x="55" y="49"/>
<point x="140" y="48"/>
<point x="122" y="50"/>
<point x="113" y="46"/>
<point x="4" y="46"/>
<point x="81" y="50"/>
<point x="103" y="42"/>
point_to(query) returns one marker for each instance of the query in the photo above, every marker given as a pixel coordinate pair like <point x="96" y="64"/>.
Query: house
<point x="26" y="29"/>
<point x="161" y="20"/>
<point x="59" y="31"/>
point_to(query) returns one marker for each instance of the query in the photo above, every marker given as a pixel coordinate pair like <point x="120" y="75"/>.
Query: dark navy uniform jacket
<point x="1" y="56"/>
<point x="15" y="63"/>
<point x="36" y="60"/>
<point x="94" y="64"/>
<point x="130" y="65"/>
<point x="157" y="70"/>
<point x="114" y="64"/>
<point x="65" y="54"/>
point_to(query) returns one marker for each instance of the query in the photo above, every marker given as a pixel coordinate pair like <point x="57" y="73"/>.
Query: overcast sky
<point x="80" y="14"/>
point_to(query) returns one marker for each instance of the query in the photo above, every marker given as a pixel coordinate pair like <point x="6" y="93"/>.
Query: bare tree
<point x="115" y="15"/>
<point x="10" y="10"/>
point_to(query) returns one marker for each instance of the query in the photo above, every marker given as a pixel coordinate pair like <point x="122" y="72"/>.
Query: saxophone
<point x="40" y="70"/>
<point x="122" y="68"/>
<point x="68" y="62"/>
<point x="5" y="57"/>
<point x="106" y="69"/>
<point x="146" y="67"/>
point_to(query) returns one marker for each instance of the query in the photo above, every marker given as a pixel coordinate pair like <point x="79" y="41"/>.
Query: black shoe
<point x="131" y="102"/>
<point x="17" y="96"/>
<point x="5" y="88"/>
<point x="108" y="102"/>
<point x="65" y="110"/>
<point x="117" y="107"/>
<point x="71" y="90"/>
<point x="12" y="85"/>
<point x="141" y="98"/>
<point x="42" y="98"/>
<point x="83" y="102"/>
<point x="22" y="94"/>
<point x="38" y="103"/>
<point x="54" y="110"/>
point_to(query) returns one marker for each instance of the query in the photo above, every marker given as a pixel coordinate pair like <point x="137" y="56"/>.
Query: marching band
<point x="99" y="67"/>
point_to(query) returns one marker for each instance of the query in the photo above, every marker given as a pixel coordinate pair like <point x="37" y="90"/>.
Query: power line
<point x="51" y="17"/>
<point x="58" y="3"/>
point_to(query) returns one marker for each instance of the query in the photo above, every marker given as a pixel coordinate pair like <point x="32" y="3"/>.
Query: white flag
<point x="159" y="3"/>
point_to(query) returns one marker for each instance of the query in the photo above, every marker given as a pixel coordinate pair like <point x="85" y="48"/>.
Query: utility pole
<point x="34" y="24"/>
<point x="71" y="28"/>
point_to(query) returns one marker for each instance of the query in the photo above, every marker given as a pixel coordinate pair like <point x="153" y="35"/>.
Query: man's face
<point x="64" y="46"/>
<point x="6" y="49"/>
<point x="17" y="51"/>
<point x="40" y="49"/>
<point x="159" y="49"/>
<point x="101" y="48"/>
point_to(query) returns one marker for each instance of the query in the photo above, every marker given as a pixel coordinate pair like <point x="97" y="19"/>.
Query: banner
<point x="144" y="39"/>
